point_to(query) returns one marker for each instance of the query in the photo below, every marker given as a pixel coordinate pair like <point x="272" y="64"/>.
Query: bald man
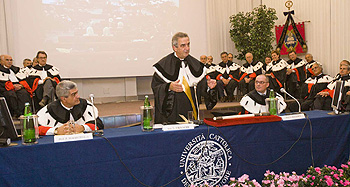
<point x="2" y="59"/>
<point x="249" y="71"/>
<point x="203" y="59"/>
<point x="309" y="62"/>
<point x="11" y="88"/>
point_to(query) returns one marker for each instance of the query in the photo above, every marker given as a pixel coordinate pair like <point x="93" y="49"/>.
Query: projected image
<point x="110" y="31"/>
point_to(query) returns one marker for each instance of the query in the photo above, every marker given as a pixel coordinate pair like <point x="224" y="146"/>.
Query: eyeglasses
<point x="260" y="82"/>
<point x="42" y="57"/>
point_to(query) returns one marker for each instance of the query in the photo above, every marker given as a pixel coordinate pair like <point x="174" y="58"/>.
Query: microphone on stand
<point x="195" y="95"/>
<point x="92" y="98"/>
<point x="284" y="91"/>
<point x="95" y="131"/>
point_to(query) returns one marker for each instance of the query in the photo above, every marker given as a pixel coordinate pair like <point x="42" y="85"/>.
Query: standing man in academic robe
<point x="249" y="71"/>
<point x="296" y="74"/>
<point x="42" y="81"/>
<point x="228" y="78"/>
<point x="69" y="114"/>
<point x="11" y="88"/>
<point x="177" y="78"/>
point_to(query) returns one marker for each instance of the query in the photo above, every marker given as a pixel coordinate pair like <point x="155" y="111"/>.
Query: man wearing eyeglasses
<point x="311" y="87"/>
<point x="42" y="80"/>
<point x="254" y="101"/>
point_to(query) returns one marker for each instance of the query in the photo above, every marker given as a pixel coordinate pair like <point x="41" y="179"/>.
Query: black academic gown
<point x="211" y="71"/>
<point x="169" y="104"/>
<point x="254" y="103"/>
<point x="250" y="71"/>
<point x="324" y="103"/>
<point x="15" y="99"/>
<point x="34" y="74"/>
<point x="309" y="90"/>
<point x="54" y="115"/>
<point x="309" y="72"/>
<point x="277" y="69"/>
<point x="298" y="65"/>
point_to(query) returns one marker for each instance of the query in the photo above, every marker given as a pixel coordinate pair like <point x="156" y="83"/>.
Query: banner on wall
<point x="290" y="36"/>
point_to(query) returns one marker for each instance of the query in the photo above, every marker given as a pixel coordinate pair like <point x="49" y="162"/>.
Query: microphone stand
<point x="284" y="91"/>
<point x="95" y="132"/>
<point x="195" y="95"/>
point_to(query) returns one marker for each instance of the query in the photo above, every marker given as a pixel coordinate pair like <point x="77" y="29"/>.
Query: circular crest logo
<point x="206" y="161"/>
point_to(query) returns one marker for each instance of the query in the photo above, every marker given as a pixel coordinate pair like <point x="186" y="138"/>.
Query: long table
<point x="202" y="154"/>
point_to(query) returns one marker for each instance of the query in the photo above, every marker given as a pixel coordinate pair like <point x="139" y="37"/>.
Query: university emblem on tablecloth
<point x="206" y="160"/>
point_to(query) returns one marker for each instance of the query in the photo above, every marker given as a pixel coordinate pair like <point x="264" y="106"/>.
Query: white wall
<point x="327" y="32"/>
<point x="326" y="35"/>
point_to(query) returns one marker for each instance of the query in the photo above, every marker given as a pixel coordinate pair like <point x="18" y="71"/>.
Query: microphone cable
<point x="280" y="157"/>
<point x="195" y="95"/>
<point x="93" y="109"/>
<point x="166" y="184"/>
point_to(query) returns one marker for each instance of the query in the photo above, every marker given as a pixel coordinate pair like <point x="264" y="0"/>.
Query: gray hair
<point x="62" y="88"/>
<point x="346" y="65"/>
<point x="319" y="64"/>
<point x="174" y="40"/>
<point x="266" y="77"/>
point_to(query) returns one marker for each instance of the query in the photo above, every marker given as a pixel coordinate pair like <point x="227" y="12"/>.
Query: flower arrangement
<point x="282" y="179"/>
<point x="243" y="181"/>
<point x="314" y="176"/>
<point x="328" y="176"/>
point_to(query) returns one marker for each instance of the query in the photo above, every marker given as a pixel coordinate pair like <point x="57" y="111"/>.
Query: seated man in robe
<point x="69" y="114"/>
<point x="311" y="87"/>
<point x="227" y="78"/>
<point x="254" y="101"/>
<point x="324" y="98"/>
<point x="11" y="86"/>
<point x="211" y="68"/>
<point x="276" y="70"/>
<point x="309" y="62"/>
<point x="42" y="80"/>
<point x="249" y="71"/>
<point x="296" y="74"/>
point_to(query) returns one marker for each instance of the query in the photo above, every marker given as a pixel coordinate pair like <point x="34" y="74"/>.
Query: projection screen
<point x="102" y="38"/>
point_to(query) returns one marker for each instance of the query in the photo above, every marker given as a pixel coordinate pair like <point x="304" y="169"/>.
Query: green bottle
<point x="28" y="126"/>
<point x="147" y="115"/>
<point x="273" y="106"/>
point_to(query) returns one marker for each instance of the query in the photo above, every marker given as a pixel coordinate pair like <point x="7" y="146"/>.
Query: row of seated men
<point x="62" y="111"/>
<point x="312" y="87"/>
<point x="317" y="92"/>
<point x="35" y="81"/>
<point x="230" y="75"/>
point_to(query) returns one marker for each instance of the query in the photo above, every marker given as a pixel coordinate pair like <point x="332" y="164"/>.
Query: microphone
<point x="284" y="91"/>
<point x="95" y="131"/>
<point x="195" y="94"/>
<point x="92" y="98"/>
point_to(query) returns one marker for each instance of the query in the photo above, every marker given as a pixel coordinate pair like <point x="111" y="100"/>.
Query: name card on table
<point x="179" y="127"/>
<point x="72" y="137"/>
<point x="292" y="117"/>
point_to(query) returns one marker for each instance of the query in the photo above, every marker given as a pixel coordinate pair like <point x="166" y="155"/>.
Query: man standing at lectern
<point x="175" y="80"/>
